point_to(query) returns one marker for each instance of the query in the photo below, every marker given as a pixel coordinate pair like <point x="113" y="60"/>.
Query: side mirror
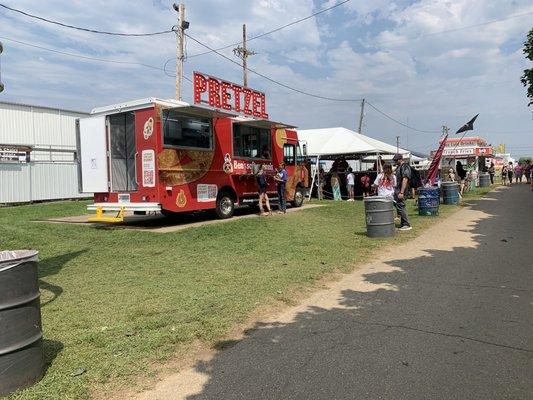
<point x="304" y="149"/>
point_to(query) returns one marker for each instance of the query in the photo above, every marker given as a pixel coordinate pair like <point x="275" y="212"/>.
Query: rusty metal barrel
<point x="21" y="347"/>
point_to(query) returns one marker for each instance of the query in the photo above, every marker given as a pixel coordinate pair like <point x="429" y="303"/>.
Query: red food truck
<point x="172" y="157"/>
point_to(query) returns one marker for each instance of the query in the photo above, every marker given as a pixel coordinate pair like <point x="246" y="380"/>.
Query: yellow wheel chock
<point x="100" y="216"/>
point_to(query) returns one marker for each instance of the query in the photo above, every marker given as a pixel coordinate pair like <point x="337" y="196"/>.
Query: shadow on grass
<point x="452" y="323"/>
<point x="52" y="266"/>
<point x="52" y="348"/>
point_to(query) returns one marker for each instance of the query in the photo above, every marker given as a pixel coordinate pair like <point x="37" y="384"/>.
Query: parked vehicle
<point x="171" y="156"/>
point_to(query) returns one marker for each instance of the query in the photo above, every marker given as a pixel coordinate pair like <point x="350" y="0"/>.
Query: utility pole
<point x="243" y="53"/>
<point x="1" y="84"/>
<point x="180" y="39"/>
<point x="397" y="144"/>
<point x="361" y="116"/>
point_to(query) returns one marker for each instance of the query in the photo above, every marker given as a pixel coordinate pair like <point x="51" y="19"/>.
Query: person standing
<point x="518" y="173"/>
<point x="281" y="179"/>
<point x="350" y="183"/>
<point x="386" y="182"/>
<point x="336" y="187"/>
<point x="263" y="196"/>
<point x="510" y="172"/>
<point x="461" y="173"/>
<point x="403" y="174"/>
<point x="491" y="173"/>
<point x="504" y="175"/>
<point x="527" y="171"/>
<point x="365" y="183"/>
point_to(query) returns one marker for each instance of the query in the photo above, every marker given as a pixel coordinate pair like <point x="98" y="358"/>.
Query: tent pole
<point x="316" y="174"/>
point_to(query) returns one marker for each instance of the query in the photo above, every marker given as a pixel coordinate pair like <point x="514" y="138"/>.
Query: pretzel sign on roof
<point x="228" y="96"/>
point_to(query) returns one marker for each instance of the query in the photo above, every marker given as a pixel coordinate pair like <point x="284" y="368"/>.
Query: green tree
<point x="527" y="78"/>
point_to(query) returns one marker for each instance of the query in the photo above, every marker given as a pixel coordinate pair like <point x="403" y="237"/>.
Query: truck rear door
<point x="92" y="155"/>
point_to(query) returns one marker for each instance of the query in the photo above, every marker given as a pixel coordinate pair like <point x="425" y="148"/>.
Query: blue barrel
<point x="450" y="192"/>
<point x="428" y="201"/>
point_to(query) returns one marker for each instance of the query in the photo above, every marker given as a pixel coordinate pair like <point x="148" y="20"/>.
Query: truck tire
<point x="225" y="205"/>
<point x="298" y="197"/>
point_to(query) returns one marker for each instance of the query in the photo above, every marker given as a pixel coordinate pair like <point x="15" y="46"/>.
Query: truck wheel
<point x="225" y="206"/>
<point x="298" y="197"/>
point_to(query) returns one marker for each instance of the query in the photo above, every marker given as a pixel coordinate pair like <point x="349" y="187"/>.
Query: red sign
<point x="483" y="151"/>
<point x="229" y="96"/>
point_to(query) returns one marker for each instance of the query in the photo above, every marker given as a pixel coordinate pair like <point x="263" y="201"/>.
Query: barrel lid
<point x="12" y="258"/>
<point x="378" y="198"/>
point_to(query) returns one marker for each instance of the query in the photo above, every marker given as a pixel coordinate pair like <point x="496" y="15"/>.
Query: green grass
<point x="116" y="301"/>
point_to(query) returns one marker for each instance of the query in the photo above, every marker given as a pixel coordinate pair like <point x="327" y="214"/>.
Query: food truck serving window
<point x="288" y="154"/>
<point x="251" y="142"/>
<point x="181" y="130"/>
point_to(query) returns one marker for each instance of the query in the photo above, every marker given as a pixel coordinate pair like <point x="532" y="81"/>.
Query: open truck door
<point x="92" y="155"/>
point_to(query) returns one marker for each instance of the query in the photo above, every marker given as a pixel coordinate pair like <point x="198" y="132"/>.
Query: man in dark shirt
<point x="403" y="174"/>
<point x="281" y="179"/>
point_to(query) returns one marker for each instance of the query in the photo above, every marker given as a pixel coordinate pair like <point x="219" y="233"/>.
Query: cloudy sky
<point x="425" y="63"/>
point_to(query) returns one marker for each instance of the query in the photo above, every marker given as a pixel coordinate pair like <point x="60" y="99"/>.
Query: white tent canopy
<point x="341" y="141"/>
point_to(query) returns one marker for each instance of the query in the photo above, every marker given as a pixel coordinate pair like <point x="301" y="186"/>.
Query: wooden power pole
<point x="180" y="39"/>
<point x="361" y="116"/>
<point x="243" y="53"/>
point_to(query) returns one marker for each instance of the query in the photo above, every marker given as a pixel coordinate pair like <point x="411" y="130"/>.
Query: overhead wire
<point x="81" y="28"/>
<point x="269" y="78"/>
<point x="273" y="30"/>
<point x="82" y="56"/>
<point x="397" y="121"/>
<point x="307" y="93"/>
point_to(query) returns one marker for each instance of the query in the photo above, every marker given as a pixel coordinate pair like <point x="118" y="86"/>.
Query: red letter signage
<point x="228" y="96"/>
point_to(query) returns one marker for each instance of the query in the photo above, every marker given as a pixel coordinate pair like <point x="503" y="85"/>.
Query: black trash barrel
<point x="450" y="192"/>
<point x="379" y="216"/>
<point x="484" y="180"/>
<point x="21" y="347"/>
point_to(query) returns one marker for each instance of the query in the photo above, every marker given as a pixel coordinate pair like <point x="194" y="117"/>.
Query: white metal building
<point x="37" y="153"/>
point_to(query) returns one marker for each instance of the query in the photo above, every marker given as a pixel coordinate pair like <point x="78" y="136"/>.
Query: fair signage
<point x="229" y="96"/>
<point x="460" y="151"/>
<point x="14" y="154"/>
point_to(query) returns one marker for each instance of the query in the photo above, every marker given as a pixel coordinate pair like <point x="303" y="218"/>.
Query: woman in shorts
<point x="263" y="197"/>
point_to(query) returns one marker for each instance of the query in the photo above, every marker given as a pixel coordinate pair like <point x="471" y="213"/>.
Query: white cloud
<point x="443" y="77"/>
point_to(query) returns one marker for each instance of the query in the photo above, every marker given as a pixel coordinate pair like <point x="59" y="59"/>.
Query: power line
<point x="422" y="35"/>
<point x="397" y="121"/>
<point x="82" y="56"/>
<point x="273" y="30"/>
<point x="270" y="79"/>
<point x="81" y="28"/>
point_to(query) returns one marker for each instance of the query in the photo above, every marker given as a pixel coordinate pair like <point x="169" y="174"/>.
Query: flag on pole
<point x="434" y="166"/>
<point x="469" y="126"/>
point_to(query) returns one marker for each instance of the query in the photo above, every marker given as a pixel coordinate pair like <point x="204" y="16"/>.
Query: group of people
<point x="280" y="177"/>
<point x="394" y="185"/>
<point x="518" y="172"/>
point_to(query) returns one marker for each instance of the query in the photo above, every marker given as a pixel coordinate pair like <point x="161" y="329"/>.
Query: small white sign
<point x="123" y="197"/>
<point x="205" y="193"/>
<point x="148" y="168"/>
